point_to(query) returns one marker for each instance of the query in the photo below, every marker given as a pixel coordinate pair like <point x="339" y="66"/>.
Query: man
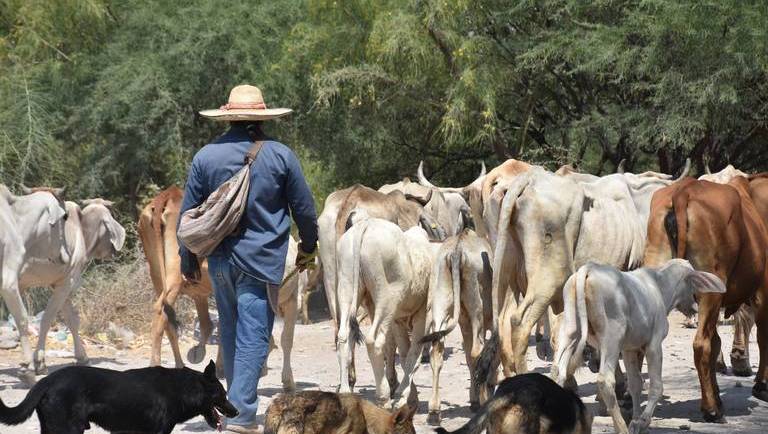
<point x="248" y="262"/>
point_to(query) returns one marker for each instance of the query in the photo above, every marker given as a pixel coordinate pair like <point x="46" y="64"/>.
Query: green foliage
<point x="102" y="95"/>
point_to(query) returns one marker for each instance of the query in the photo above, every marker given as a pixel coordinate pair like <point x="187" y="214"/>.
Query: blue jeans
<point x="245" y="324"/>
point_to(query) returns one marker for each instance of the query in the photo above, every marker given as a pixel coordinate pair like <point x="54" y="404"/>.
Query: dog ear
<point x="403" y="415"/>
<point x="210" y="370"/>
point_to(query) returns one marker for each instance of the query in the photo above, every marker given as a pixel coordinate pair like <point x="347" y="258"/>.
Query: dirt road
<point x="315" y="367"/>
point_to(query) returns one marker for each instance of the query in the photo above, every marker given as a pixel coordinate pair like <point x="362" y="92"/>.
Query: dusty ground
<point x="315" y="367"/>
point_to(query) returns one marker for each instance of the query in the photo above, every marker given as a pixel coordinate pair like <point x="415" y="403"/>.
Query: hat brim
<point x="245" y="114"/>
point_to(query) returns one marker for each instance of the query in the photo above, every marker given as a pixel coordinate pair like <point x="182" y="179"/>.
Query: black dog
<point x="148" y="400"/>
<point x="530" y="404"/>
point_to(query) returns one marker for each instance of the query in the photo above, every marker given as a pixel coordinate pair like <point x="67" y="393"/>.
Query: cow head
<point x="686" y="283"/>
<point x="104" y="236"/>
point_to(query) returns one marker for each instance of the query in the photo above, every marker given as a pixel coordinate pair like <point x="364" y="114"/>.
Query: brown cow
<point x="157" y="230"/>
<point x="718" y="229"/>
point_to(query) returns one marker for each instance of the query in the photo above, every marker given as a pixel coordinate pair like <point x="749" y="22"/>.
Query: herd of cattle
<point x="596" y="261"/>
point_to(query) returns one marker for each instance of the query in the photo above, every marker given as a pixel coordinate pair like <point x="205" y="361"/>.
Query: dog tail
<point x="170" y="313"/>
<point x="22" y="412"/>
<point x="478" y="422"/>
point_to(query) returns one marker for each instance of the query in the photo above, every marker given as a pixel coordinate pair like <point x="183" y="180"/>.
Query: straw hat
<point x="245" y="104"/>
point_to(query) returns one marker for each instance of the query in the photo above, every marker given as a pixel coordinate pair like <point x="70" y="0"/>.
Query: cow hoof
<point x="741" y="367"/>
<point x="544" y="350"/>
<point x="196" y="354"/>
<point x="41" y="368"/>
<point x="637" y="426"/>
<point x="713" y="417"/>
<point x="760" y="391"/>
<point x="571" y="384"/>
<point x="27" y="376"/>
<point x="433" y="418"/>
<point x="289" y="386"/>
<point x="720" y="366"/>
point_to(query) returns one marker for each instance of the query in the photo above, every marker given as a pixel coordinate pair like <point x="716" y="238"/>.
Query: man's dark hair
<point x="254" y="128"/>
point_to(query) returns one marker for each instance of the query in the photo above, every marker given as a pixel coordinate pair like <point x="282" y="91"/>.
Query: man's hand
<point x="305" y="260"/>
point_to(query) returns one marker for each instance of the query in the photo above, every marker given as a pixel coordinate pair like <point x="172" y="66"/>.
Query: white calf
<point x="459" y="293"/>
<point x="387" y="270"/>
<point x="625" y="312"/>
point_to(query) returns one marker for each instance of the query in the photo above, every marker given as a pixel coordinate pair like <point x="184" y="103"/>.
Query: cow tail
<point x="170" y="313"/>
<point x="357" y="245"/>
<point x="581" y="311"/>
<point x="455" y="260"/>
<point x="23" y="411"/>
<point x="676" y="225"/>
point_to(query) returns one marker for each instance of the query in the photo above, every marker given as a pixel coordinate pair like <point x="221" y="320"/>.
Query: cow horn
<point x="706" y="168"/>
<point x="686" y="169"/>
<point x="620" y="167"/>
<point x="59" y="192"/>
<point x="108" y="203"/>
<point x="423" y="181"/>
<point x="26" y="190"/>
<point x="483" y="170"/>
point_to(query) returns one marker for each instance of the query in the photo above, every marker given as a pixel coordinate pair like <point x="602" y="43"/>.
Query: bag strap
<point x="253" y="153"/>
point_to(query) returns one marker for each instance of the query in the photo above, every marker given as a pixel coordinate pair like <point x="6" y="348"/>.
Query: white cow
<point x="31" y="230"/>
<point x="625" y="313"/>
<point x="89" y="233"/>
<point x="387" y="270"/>
<point x="459" y="293"/>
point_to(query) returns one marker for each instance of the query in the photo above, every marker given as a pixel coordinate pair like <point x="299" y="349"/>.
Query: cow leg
<point x="606" y="384"/>
<point x="706" y="347"/>
<point x="654" y="355"/>
<point x="633" y="362"/>
<point x="436" y="363"/>
<point x="58" y="296"/>
<point x="472" y="348"/>
<point x="196" y="354"/>
<point x="12" y="298"/>
<point x="744" y="319"/>
<point x="506" y="348"/>
<point x="375" y="342"/>
<point x="72" y="320"/>
<point x="290" y="311"/>
<point x="411" y="364"/>
<point x="530" y="311"/>
<point x="398" y="341"/>
<point x="760" y="389"/>
<point x="170" y="329"/>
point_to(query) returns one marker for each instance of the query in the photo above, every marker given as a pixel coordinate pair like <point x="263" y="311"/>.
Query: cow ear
<point x="704" y="282"/>
<point x="210" y="370"/>
<point x="25" y="189"/>
<point x="116" y="233"/>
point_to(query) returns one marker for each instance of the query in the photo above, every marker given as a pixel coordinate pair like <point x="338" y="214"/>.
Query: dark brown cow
<point x="718" y="229"/>
<point x="157" y="230"/>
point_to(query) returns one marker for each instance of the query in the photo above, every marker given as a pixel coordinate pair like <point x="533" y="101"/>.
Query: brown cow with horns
<point x="718" y="229"/>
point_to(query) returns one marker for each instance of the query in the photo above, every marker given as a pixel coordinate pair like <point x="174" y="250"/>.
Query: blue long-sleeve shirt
<point x="277" y="191"/>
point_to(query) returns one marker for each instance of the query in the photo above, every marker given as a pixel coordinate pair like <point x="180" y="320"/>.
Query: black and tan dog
<point x="530" y="404"/>
<point x="148" y="400"/>
<point x="316" y="412"/>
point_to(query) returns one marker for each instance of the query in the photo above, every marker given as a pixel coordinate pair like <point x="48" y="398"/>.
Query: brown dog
<point x="316" y="412"/>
